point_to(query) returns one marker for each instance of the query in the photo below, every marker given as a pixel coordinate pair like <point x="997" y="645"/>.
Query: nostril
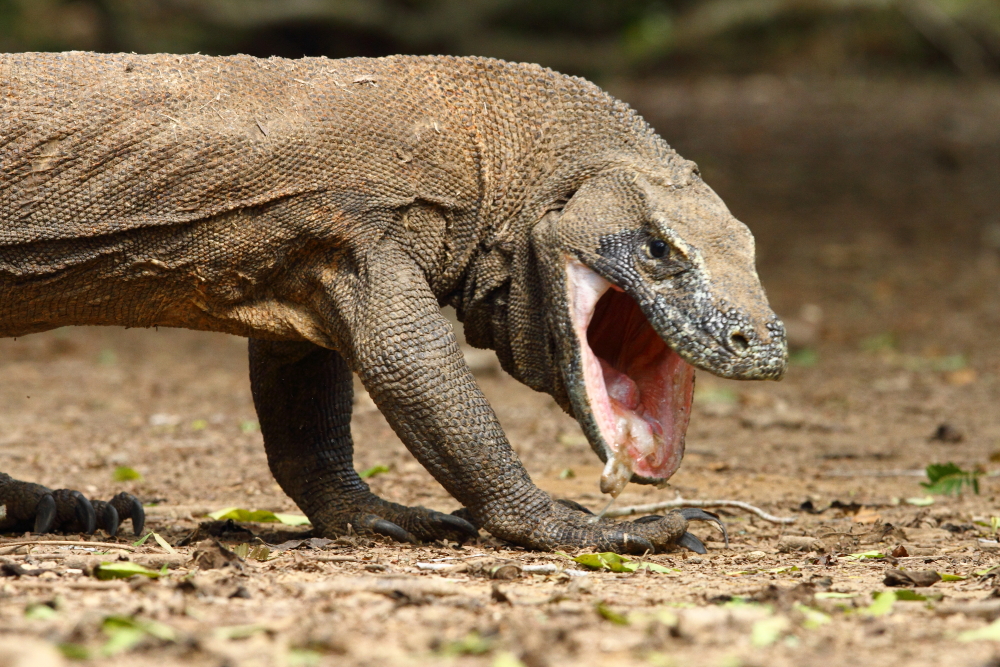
<point x="738" y="342"/>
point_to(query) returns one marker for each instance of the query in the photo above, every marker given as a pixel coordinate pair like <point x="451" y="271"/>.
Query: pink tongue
<point x="620" y="387"/>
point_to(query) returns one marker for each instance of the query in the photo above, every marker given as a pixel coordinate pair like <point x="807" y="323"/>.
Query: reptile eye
<point x="657" y="249"/>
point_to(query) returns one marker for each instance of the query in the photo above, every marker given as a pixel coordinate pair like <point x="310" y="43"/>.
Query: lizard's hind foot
<point x="399" y="522"/>
<point x="25" y="506"/>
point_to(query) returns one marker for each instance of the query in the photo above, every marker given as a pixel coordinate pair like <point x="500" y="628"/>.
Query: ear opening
<point x="559" y="204"/>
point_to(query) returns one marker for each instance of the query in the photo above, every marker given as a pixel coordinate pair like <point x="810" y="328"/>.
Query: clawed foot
<point x="28" y="506"/>
<point x="570" y="525"/>
<point x="399" y="522"/>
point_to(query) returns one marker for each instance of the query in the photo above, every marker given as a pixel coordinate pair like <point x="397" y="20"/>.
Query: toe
<point x="630" y="543"/>
<point x="389" y="529"/>
<point x="692" y="543"/>
<point x="107" y="517"/>
<point x="695" y="514"/>
<point x="455" y="524"/>
<point x="74" y="512"/>
<point x="45" y="514"/>
<point x="129" y="506"/>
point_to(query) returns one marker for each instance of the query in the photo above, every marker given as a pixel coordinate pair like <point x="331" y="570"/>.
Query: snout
<point x="755" y="353"/>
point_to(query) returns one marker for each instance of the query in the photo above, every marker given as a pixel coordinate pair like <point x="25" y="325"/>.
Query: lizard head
<point x="655" y="277"/>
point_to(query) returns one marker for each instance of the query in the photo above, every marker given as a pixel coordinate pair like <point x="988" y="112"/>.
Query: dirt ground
<point x="875" y="206"/>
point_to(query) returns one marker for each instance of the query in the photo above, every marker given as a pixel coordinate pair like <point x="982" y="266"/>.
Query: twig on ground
<point x="69" y="543"/>
<point x="682" y="502"/>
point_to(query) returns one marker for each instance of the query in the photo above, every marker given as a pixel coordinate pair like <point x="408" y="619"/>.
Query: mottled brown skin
<point x="326" y="209"/>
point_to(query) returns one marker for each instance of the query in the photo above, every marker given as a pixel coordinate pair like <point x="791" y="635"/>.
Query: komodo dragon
<point x="326" y="209"/>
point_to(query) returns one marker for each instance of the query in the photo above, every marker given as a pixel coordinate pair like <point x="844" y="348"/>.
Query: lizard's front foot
<point x="568" y="525"/>
<point x="33" y="507"/>
<point x="375" y="516"/>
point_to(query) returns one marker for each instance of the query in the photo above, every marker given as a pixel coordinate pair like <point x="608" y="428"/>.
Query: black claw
<point x="389" y="529"/>
<point x="692" y="543"/>
<point x="455" y="523"/>
<point x="109" y="517"/>
<point x="139" y="518"/>
<point x="695" y="514"/>
<point x="129" y="506"/>
<point x="86" y="517"/>
<point x="464" y="513"/>
<point x="572" y="504"/>
<point x="45" y="514"/>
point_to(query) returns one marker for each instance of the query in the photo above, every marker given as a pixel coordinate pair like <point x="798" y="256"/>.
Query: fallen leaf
<point x="126" y="474"/>
<point x="374" y="470"/>
<point x="991" y="633"/>
<point x="882" y="605"/>
<point x="609" y="614"/>
<point x="123" y="570"/>
<point x="768" y="630"/>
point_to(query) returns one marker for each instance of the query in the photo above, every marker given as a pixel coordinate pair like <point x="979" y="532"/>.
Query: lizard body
<point x="327" y="208"/>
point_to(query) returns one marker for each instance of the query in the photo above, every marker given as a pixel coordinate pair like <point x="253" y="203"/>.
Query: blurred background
<point x="859" y="139"/>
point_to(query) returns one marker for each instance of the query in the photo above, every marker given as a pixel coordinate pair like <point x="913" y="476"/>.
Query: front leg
<point x="304" y="394"/>
<point x="408" y="358"/>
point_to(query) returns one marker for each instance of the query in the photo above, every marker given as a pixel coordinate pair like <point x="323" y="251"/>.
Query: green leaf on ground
<point x="302" y="657"/>
<point x="811" y="618"/>
<point x="506" y="659"/>
<point x="238" y="631"/>
<point x="805" y="357"/>
<point x="883" y="342"/>
<point x="947" y="479"/>
<point x="471" y="644"/>
<point x="159" y="540"/>
<point x="123" y="570"/>
<point x="718" y="395"/>
<point x="920" y="502"/>
<point x="567" y="473"/>
<point x="72" y="651"/>
<point x="616" y="563"/>
<point x="908" y="595"/>
<point x="126" y="474"/>
<point x="952" y="577"/>
<point x="609" y="614"/>
<point x="292" y="519"/>
<point x="990" y="633"/>
<point x="867" y="555"/>
<point x="40" y="612"/>
<point x="882" y="604"/>
<point x="768" y="630"/>
<point x="831" y="595"/>
<point x="374" y="470"/>
<point x="125" y="633"/>
<point x="259" y="516"/>
<point x="249" y="426"/>
<point x="257" y="552"/>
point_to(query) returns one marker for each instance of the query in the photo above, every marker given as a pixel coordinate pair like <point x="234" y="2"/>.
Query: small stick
<point x="70" y="543"/>
<point x="681" y="502"/>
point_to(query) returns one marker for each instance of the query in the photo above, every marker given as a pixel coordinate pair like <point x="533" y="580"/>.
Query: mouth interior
<point x="638" y="388"/>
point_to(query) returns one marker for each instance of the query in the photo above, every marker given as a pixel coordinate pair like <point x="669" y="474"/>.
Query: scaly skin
<point x="326" y="209"/>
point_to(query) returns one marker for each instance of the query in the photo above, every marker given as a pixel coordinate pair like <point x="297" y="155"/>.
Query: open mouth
<point x="638" y="389"/>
